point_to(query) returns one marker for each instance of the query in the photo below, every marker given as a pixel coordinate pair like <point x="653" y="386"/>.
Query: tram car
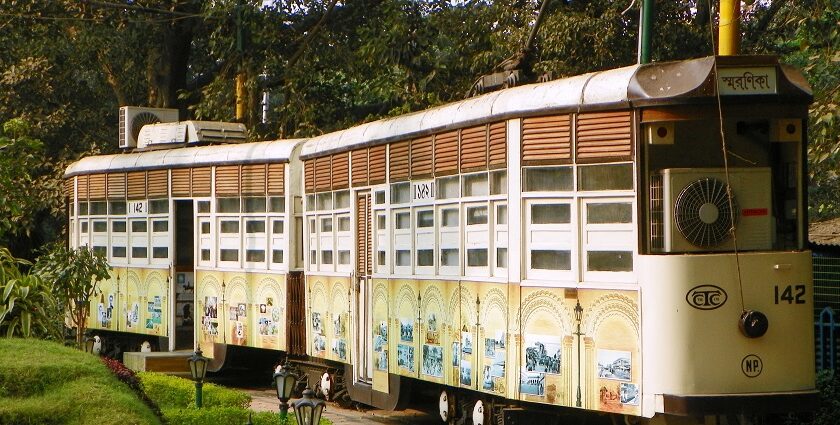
<point x="631" y="241"/>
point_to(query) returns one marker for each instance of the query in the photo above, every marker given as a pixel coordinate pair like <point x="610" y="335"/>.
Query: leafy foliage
<point x="75" y="274"/>
<point x="171" y="391"/>
<point x="27" y="306"/>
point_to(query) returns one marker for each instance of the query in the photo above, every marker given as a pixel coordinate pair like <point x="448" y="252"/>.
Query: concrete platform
<point x="171" y="362"/>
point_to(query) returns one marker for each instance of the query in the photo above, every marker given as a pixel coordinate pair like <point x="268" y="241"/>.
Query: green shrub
<point x="174" y="392"/>
<point x="44" y="382"/>
<point x="220" y="415"/>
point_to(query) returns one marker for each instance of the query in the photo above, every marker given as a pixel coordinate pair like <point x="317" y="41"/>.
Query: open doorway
<point x="184" y="284"/>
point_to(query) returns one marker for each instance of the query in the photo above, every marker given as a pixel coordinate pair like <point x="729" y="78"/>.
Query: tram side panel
<point x="328" y="314"/>
<point x="132" y="300"/>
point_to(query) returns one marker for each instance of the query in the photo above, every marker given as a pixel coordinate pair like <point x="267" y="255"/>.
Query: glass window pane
<point x="139" y="226"/>
<point x="449" y="217"/>
<point x="205" y="228"/>
<point x="342" y="199"/>
<point x="139" y="252"/>
<point x="613" y="212"/>
<point x="100" y="226"/>
<point x="400" y="193"/>
<point x="449" y="257"/>
<point x="277" y="204"/>
<point x="476" y="215"/>
<point x="606" y="177"/>
<point x="203" y="206"/>
<point x="118" y="226"/>
<point x="403" y="257"/>
<point x="501" y="258"/>
<point x="229" y="226"/>
<point x="255" y="255"/>
<point x="609" y="261"/>
<point x="548" y="179"/>
<point x="325" y="201"/>
<point x="380" y="221"/>
<point x="476" y="185"/>
<point x="159" y="206"/>
<point x="205" y="255"/>
<point x="551" y="214"/>
<point x="326" y="224"/>
<point x="98" y="208"/>
<point x="117" y="207"/>
<point x="425" y="257"/>
<point x="344" y="224"/>
<point x="278" y="227"/>
<point x="379" y="197"/>
<point x="551" y="260"/>
<point x="277" y="256"/>
<point x="84" y="227"/>
<point x="447" y="188"/>
<point x="254" y="205"/>
<point x="327" y="257"/>
<point x="501" y="214"/>
<point x="426" y="218"/>
<point x="477" y="257"/>
<point x="227" y="205"/>
<point x="229" y="254"/>
<point x="313" y="257"/>
<point x="100" y="251"/>
<point x="255" y="226"/>
<point x="403" y="220"/>
<point x="310" y="203"/>
<point x="83" y="208"/>
<point x="118" y="251"/>
<point x="380" y="258"/>
<point x="160" y="226"/>
<point x="344" y="257"/>
<point x="160" y="252"/>
<point x="498" y="182"/>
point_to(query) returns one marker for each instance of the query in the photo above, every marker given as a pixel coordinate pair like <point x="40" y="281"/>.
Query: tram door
<point x="364" y="269"/>
<point x="184" y="266"/>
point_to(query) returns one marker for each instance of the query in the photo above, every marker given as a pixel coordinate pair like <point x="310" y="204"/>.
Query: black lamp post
<point x="578" y="317"/>
<point x="284" y="382"/>
<point x="198" y="368"/>
<point x="308" y="409"/>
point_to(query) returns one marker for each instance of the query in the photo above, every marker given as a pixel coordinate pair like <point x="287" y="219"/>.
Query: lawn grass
<point x="43" y="382"/>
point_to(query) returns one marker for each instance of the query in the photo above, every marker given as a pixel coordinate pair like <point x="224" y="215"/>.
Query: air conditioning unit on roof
<point x="171" y="134"/>
<point x="133" y="118"/>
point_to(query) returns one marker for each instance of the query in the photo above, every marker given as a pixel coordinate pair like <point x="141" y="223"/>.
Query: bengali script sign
<point x="747" y="80"/>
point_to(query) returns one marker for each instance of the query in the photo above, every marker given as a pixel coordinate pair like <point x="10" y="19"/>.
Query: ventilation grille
<point x="657" y="214"/>
<point x="703" y="213"/>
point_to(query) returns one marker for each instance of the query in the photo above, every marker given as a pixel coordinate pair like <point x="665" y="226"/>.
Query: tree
<point x="27" y="305"/>
<point x="74" y="275"/>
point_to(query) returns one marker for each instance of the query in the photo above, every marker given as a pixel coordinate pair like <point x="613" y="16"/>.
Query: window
<point x="139" y="252"/>
<point x="542" y="259"/>
<point x="277" y="256"/>
<point x="476" y="185"/>
<point x="254" y="205"/>
<point x="313" y="257"/>
<point x="608" y="239"/>
<point x="549" y="240"/>
<point x="159" y="206"/>
<point x="402" y="258"/>
<point x="229" y="226"/>
<point x="344" y="257"/>
<point x="205" y="228"/>
<point x="379" y="197"/>
<point x="160" y="252"/>
<point x="425" y="257"/>
<point x="477" y="257"/>
<point x="98" y="208"/>
<point x="326" y="224"/>
<point x="159" y="226"/>
<point x="501" y="258"/>
<point x="609" y="261"/>
<point x="605" y="213"/>
<point x="310" y="203"/>
<point x="476" y="215"/>
<point x="277" y="204"/>
<point x="425" y="218"/>
<point x="326" y="256"/>
<point x="100" y="250"/>
<point x="449" y="257"/>
<point x="84" y="227"/>
<point x="278" y="227"/>
<point x="342" y="199"/>
<point x="255" y="255"/>
<point x="139" y="226"/>
<point x="550" y="214"/>
<point x="203" y="206"/>
<point x="118" y="251"/>
<point x="83" y="208"/>
<point x="117" y="207"/>
<point x="380" y="221"/>
<point x="343" y="224"/>
<point x="403" y="220"/>
<point x="501" y="214"/>
<point x="447" y="188"/>
<point x="205" y="255"/>
<point x="118" y="226"/>
<point x="229" y="254"/>
<point x="400" y="193"/>
<point x="498" y="182"/>
<point x="548" y="179"/>
<point x="325" y="201"/>
<point x="449" y="217"/>
<point x="100" y="227"/>
<point x="227" y="205"/>
<point x="606" y="177"/>
<point x="255" y="226"/>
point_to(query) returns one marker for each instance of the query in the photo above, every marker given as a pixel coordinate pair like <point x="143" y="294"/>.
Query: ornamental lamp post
<point x="284" y="382"/>
<point x="578" y="317"/>
<point x="308" y="409"/>
<point x="198" y="369"/>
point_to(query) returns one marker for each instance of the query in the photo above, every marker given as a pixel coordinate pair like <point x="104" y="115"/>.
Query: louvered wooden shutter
<point x="201" y="181"/>
<point x="364" y="245"/>
<point x="359" y="171"/>
<point x="69" y="188"/>
<point x="603" y="136"/>
<point x="497" y="149"/>
<point x="253" y="179"/>
<point x="227" y="180"/>
<point x="446" y="153"/>
<point x="136" y="185"/>
<point x="421" y="157"/>
<point x="116" y="186"/>
<point x="376" y="164"/>
<point x="97" y="186"/>
<point x="398" y="161"/>
<point x="547" y="139"/>
<point x="473" y="148"/>
<point x="157" y="183"/>
<point x="181" y="182"/>
<point x="309" y="175"/>
<point x="322" y="173"/>
<point x="84" y="193"/>
<point x="276" y="179"/>
<point x="341" y="170"/>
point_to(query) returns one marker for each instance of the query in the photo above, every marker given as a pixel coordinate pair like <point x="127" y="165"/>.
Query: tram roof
<point x="243" y="153"/>
<point x="667" y="82"/>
